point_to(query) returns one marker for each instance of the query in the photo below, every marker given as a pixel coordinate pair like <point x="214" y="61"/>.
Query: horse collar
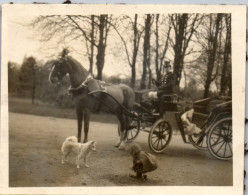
<point x="82" y="85"/>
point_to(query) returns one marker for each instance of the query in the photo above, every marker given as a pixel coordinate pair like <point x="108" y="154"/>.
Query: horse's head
<point x="66" y="64"/>
<point x="59" y="70"/>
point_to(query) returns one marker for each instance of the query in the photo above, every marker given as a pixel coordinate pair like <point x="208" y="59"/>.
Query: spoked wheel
<point x="199" y="142"/>
<point x="160" y="136"/>
<point x="132" y="133"/>
<point x="219" y="139"/>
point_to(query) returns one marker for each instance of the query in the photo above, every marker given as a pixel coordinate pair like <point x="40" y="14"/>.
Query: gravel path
<point x="35" y="158"/>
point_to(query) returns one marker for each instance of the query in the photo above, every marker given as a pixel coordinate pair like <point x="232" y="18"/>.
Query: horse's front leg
<point x="79" y="118"/>
<point x="86" y="124"/>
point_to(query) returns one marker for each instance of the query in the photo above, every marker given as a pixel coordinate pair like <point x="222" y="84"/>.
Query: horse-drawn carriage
<point x="212" y="115"/>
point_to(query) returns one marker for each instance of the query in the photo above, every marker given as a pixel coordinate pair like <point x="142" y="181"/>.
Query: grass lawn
<point x="25" y="106"/>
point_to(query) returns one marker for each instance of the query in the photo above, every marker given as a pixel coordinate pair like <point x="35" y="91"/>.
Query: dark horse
<point x="82" y="83"/>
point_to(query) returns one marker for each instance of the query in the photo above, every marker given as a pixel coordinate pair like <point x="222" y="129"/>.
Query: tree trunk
<point x="163" y="54"/>
<point x="145" y="51"/>
<point x="101" y="47"/>
<point x="229" y="83"/>
<point x="92" y="44"/>
<point x="227" y="54"/>
<point x="178" y="47"/>
<point x="213" y="42"/>
<point x="149" y="65"/>
<point x="158" y="73"/>
<point x="135" y="51"/>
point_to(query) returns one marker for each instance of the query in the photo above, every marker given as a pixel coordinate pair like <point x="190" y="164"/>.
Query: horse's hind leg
<point x="79" y="118"/>
<point x="123" y="138"/>
<point x="121" y="144"/>
<point x="86" y="124"/>
<point x="120" y="118"/>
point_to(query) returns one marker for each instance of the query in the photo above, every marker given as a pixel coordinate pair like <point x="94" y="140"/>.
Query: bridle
<point x="82" y="85"/>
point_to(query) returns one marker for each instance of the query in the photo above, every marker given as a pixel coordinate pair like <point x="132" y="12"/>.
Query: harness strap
<point x="103" y="96"/>
<point x="83" y="84"/>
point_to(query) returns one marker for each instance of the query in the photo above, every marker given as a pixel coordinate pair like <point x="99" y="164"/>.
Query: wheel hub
<point x="160" y="135"/>
<point x="227" y="138"/>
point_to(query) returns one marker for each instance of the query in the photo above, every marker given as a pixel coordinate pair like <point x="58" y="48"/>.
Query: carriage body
<point x="213" y="116"/>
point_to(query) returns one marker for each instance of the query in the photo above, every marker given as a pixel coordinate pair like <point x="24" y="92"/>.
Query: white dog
<point x="82" y="150"/>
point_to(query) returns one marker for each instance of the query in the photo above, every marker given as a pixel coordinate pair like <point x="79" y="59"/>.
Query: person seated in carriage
<point x="165" y="86"/>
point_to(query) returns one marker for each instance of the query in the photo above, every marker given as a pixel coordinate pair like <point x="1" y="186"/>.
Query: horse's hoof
<point x="118" y="144"/>
<point x="122" y="146"/>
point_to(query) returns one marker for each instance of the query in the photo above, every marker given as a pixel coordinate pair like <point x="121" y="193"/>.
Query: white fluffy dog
<point x="82" y="150"/>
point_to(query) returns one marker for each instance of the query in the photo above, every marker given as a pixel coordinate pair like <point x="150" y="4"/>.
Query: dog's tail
<point x="71" y="139"/>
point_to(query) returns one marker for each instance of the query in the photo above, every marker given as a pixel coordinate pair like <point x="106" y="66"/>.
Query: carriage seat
<point x="170" y="98"/>
<point x="207" y="105"/>
<point x="169" y="102"/>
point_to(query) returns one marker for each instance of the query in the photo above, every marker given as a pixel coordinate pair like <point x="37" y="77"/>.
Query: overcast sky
<point x="24" y="41"/>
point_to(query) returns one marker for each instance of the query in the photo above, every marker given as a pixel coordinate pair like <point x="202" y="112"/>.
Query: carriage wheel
<point x="219" y="139"/>
<point x="160" y="136"/>
<point x="199" y="142"/>
<point x="132" y="133"/>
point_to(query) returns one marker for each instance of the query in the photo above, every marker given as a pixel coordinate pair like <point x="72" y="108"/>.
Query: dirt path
<point x="35" y="158"/>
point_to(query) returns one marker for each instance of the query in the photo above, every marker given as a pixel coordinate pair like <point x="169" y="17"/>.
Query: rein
<point x="127" y="112"/>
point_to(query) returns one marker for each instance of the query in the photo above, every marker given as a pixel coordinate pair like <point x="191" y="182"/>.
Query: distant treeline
<point x="30" y="80"/>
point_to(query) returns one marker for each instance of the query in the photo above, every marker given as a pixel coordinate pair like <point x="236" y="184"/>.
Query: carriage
<point x="212" y="115"/>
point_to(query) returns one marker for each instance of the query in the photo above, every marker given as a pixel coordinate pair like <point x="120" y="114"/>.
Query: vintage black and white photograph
<point x="143" y="96"/>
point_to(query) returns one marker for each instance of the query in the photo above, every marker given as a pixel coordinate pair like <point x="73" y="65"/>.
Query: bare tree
<point x="226" y="69"/>
<point x="212" y="45"/>
<point x="161" y="49"/>
<point x="146" y="51"/>
<point x="101" y="47"/>
<point x="184" y="26"/>
<point x="92" y="38"/>
<point x="136" y="36"/>
<point x="77" y="27"/>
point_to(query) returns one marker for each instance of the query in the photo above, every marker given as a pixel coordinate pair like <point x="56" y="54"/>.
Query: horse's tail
<point x="71" y="139"/>
<point x="129" y="96"/>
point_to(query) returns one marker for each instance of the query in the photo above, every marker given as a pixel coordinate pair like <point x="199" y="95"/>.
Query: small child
<point x="143" y="162"/>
